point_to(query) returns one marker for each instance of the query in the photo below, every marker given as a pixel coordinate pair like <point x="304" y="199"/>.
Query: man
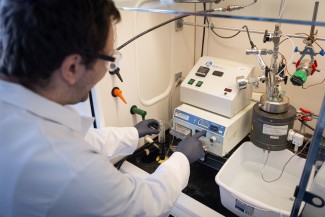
<point x="51" y="163"/>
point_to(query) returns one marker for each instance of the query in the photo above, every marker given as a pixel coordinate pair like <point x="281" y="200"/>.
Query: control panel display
<point x="202" y="71"/>
<point x="200" y="122"/>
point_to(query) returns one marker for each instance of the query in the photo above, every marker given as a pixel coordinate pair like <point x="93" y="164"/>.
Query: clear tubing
<point x="161" y="135"/>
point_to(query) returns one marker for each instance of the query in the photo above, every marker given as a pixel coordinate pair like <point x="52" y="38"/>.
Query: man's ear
<point x="72" y="68"/>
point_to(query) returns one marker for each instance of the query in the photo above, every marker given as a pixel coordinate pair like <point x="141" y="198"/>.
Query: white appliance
<point x="214" y="103"/>
<point x="211" y="85"/>
<point x="223" y="134"/>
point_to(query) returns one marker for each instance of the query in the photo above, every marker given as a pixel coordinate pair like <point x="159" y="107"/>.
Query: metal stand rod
<point x="312" y="154"/>
<point x="250" y="31"/>
<point x="312" y="29"/>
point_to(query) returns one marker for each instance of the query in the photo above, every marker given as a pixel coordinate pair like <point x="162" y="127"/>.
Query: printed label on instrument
<point x="275" y="130"/>
<point x="249" y="210"/>
<point x="182" y="115"/>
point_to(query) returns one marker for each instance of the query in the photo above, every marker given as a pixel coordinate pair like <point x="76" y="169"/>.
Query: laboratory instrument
<point x="223" y="133"/>
<point x="211" y="85"/>
<point x="272" y="128"/>
<point x="273" y="116"/>
<point x="212" y="102"/>
<point x="207" y="215"/>
<point x="161" y="135"/>
<point x="306" y="67"/>
<point x="162" y="143"/>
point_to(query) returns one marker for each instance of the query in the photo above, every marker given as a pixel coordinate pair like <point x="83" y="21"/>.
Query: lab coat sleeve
<point x="113" y="141"/>
<point x="101" y="190"/>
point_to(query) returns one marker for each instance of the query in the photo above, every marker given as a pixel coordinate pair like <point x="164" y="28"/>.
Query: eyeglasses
<point x="113" y="61"/>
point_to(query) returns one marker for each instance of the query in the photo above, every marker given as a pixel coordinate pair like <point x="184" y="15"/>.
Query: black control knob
<point x="267" y="37"/>
<point x="116" y="72"/>
<point x="213" y="139"/>
<point x="285" y="79"/>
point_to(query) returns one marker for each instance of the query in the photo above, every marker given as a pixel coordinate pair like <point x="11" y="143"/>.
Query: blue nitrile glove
<point x="147" y="127"/>
<point x="192" y="147"/>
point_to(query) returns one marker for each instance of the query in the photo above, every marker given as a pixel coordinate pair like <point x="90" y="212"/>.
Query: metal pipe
<point x="250" y="31"/>
<point x="312" y="29"/>
<point x="272" y="91"/>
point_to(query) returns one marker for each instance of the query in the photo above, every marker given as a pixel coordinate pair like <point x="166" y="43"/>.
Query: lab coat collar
<point x="20" y="96"/>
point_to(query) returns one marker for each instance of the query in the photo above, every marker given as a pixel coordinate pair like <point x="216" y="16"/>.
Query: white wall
<point x="152" y="59"/>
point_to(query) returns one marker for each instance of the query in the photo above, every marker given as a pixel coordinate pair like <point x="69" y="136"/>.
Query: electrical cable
<point x="286" y="63"/>
<point x="203" y="36"/>
<point x="250" y="4"/>
<point x="224" y="37"/>
<point x="169" y="21"/>
<point x="293" y="45"/>
<point x="156" y="27"/>
<point x="163" y="95"/>
<point x="318" y="45"/>
<point x="249" y="37"/>
<point x="220" y="36"/>
<point x="267" y="157"/>
<point x="313" y="84"/>
<point x="228" y="37"/>
<point x="302" y="33"/>
<point x="149" y="30"/>
<point x="283" y="40"/>
<point x="292" y="56"/>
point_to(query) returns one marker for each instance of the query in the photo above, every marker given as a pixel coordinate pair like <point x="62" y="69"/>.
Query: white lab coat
<point x="49" y="168"/>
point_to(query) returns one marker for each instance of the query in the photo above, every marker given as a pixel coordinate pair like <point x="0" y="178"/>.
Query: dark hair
<point x="36" y="35"/>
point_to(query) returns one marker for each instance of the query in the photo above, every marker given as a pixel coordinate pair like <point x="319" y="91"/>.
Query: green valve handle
<point x="135" y="110"/>
<point x="299" y="78"/>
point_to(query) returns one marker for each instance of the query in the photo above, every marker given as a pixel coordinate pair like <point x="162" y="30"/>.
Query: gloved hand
<point x="147" y="127"/>
<point x="192" y="147"/>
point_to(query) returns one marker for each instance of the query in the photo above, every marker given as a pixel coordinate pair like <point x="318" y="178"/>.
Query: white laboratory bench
<point x="185" y="206"/>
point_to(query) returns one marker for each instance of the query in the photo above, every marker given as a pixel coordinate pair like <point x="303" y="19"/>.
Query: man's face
<point x="97" y="72"/>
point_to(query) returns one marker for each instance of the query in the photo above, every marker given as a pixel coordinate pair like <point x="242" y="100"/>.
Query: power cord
<point x="267" y="157"/>
<point x="228" y="8"/>
<point x="149" y="30"/>
<point x="203" y="36"/>
<point x="224" y="37"/>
